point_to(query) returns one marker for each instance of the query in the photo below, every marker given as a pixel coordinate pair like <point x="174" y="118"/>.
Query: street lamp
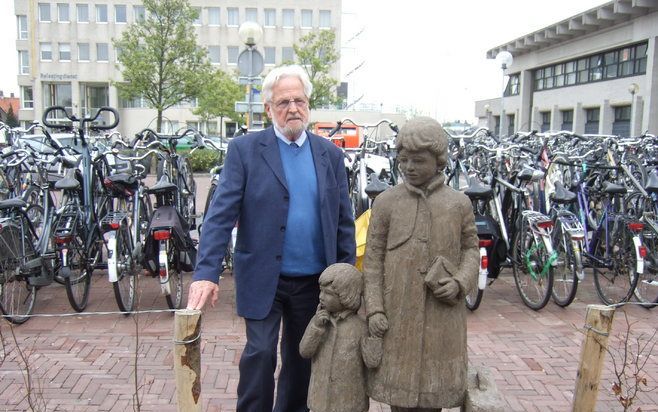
<point x="505" y="59"/>
<point x="633" y="88"/>
<point x="250" y="63"/>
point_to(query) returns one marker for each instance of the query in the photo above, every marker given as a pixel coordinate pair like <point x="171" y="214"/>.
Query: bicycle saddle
<point x="163" y="185"/>
<point x="12" y="203"/>
<point x="613" y="188"/>
<point x="562" y="195"/>
<point x="529" y="174"/>
<point x="375" y="187"/>
<point x="652" y="183"/>
<point x="476" y="190"/>
<point x="69" y="182"/>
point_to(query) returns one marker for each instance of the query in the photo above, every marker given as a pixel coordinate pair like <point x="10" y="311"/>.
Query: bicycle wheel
<point x="211" y="193"/>
<point x="175" y="297"/>
<point x="359" y="200"/>
<point x="76" y="268"/>
<point x="124" y="287"/>
<point x="565" y="278"/>
<point x="17" y="296"/>
<point x="188" y="196"/>
<point x="474" y="298"/>
<point x="533" y="273"/>
<point x="646" y="290"/>
<point x="616" y="281"/>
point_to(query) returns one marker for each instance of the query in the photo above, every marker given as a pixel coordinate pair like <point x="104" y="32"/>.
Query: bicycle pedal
<point x="33" y="264"/>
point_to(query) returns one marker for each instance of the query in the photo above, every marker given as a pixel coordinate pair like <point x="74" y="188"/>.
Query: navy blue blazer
<point x="253" y="191"/>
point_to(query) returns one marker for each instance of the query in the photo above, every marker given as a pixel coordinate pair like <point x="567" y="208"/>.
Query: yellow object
<point x="361" y="226"/>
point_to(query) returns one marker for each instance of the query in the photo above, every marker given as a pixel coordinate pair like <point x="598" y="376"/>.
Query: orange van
<point x="347" y="137"/>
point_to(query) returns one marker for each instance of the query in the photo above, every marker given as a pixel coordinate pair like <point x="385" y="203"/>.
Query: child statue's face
<point x="418" y="166"/>
<point x="329" y="300"/>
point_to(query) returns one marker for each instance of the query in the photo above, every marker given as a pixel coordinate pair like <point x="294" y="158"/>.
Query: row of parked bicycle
<point x="552" y="206"/>
<point x="77" y="201"/>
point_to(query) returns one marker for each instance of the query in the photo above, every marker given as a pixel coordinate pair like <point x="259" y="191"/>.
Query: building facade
<point x="66" y="56"/>
<point x="594" y="73"/>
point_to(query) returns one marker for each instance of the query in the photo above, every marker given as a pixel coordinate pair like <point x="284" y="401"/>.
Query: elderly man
<point x="287" y="189"/>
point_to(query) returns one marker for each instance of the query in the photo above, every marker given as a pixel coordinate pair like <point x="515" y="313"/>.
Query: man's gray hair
<point x="279" y="73"/>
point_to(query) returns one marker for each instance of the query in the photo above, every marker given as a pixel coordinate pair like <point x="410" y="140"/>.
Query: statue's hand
<point x="447" y="291"/>
<point x="321" y="318"/>
<point x="377" y="325"/>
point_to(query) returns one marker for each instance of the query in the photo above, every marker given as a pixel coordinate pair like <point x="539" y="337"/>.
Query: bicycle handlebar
<point x="82" y="121"/>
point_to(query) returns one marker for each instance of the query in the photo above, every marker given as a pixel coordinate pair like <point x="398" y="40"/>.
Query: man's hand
<point x="447" y="290"/>
<point x="199" y="292"/>
<point x="377" y="325"/>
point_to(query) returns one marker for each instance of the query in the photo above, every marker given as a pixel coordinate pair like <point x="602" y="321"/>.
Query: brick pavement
<point x="86" y="363"/>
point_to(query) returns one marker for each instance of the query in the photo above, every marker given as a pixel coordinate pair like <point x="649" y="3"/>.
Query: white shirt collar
<point x="300" y="140"/>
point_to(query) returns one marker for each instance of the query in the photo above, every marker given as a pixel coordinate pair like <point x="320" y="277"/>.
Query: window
<point x="211" y="128"/>
<point x="307" y="18"/>
<point x="288" y="18"/>
<point x="213" y="16"/>
<point x="45" y="52"/>
<point x="27" y="97"/>
<point x="325" y="19"/>
<point x="611" y="64"/>
<point x="83" y="52"/>
<point x="191" y="124"/>
<point x="510" y="124"/>
<point x="233" y="16"/>
<point x="512" y="88"/>
<point x="120" y="13"/>
<point x="270" y="55"/>
<point x="233" y="54"/>
<point x="251" y="14"/>
<point x="622" y="124"/>
<point x="197" y="19"/>
<point x="64" y="52"/>
<point x="63" y="13"/>
<point x="545" y="121"/>
<point x="22" y="27"/>
<point x="139" y="13"/>
<point x="101" y="13"/>
<point x="287" y="54"/>
<point x="57" y="94"/>
<point x="592" y="120"/>
<point x="117" y="54"/>
<point x="102" y="52"/>
<point x="83" y="13"/>
<point x="567" y="120"/>
<point x="270" y="17"/>
<point x="23" y="62"/>
<point x="44" y="12"/>
<point x="213" y="54"/>
<point x="93" y="97"/>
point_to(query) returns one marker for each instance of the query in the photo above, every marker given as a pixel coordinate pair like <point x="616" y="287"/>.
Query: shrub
<point x="203" y="160"/>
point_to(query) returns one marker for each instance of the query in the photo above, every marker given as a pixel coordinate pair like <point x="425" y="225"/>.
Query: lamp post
<point x="250" y="64"/>
<point x="505" y="59"/>
<point x="633" y="88"/>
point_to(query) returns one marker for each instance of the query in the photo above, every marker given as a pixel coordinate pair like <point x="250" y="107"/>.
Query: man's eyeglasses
<point x="284" y="104"/>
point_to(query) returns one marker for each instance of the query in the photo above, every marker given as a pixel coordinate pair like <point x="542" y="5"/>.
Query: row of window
<point x="208" y="15"/>
<point x="64" y="54"/>
<point x="625" y="61"/>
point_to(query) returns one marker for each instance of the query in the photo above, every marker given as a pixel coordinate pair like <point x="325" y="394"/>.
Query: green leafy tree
<point x="160" y="57"/>
<point x="316" y="52"/>
<point x="218" y="97"/>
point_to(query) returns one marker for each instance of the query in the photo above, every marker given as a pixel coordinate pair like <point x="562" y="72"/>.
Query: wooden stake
<point x="598" y="323"/>
<point x="187" y="359"/>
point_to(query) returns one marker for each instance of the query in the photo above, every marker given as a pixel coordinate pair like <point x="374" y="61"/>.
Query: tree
<point x="218" y="97"/>
<point x="160" y="57"/>
<point x="317" y="54"/>
<point x="11" y="120"/>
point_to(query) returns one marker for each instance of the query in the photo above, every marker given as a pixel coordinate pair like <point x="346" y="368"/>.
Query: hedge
<point x="203" y="160"/>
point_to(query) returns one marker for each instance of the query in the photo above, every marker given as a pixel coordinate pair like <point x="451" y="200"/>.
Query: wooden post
<point x="187" y="359"/>
<point x="598" y="323"/>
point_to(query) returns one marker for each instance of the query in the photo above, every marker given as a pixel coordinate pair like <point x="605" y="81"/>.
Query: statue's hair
<point x="282" y="72"/>
<point x="424" y="133"/>
<point x="346" y="281"/>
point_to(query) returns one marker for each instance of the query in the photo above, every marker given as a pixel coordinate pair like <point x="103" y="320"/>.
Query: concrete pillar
<point x="555" y="118"/>
<point x="606" y="118"/>
<point x="535" y="119"/>
<point x="650" y="120"/>
<point x="636" y="116"/>
<point x="579" y="119"/>
<point x="523" y="121"/>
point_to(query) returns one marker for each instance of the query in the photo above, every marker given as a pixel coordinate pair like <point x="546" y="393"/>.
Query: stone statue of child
<point x="336" y="341"/>
<point x="421" y="259"/>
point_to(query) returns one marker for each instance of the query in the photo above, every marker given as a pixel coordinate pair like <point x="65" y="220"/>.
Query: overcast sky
<point x="427" y="55"/>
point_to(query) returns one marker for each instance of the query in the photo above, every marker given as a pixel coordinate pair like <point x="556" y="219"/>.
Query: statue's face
<point x="329" y="300"/>
<point x="418" y="167"/>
